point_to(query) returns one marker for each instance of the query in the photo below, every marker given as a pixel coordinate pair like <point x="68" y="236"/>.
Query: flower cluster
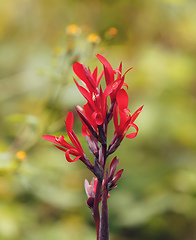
<point x="102" y="105"/>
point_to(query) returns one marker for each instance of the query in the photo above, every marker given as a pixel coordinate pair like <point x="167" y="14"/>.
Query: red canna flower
<point x="95" y="116"/>
<point x="95" y="110"/>
<point x="126" y="120"/>
<point x="109" y="73"/>
<point x="75" y="150"/>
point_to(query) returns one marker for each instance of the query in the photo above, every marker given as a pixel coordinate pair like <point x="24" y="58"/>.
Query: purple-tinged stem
<point x="95" y="211"/>
<point x="104" y="222"/>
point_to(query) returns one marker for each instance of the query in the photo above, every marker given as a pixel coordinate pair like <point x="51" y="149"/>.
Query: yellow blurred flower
<point x="21" y="155"/>
<point x="112" y="32"/>
<point x="93" y="38"/>
<point x="73" y="30"/>
<point x="57" y="51"/>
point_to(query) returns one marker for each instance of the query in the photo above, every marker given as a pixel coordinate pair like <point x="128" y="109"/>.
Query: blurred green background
<point x="41" y="194"/>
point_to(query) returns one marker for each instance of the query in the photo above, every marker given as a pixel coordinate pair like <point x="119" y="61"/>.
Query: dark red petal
<point x="90" y="202"/>
<point x="117" y="176"/>
<point x="113" y="167"/>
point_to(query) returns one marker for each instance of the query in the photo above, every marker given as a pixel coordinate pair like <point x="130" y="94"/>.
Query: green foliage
<point x="41" y="194"/>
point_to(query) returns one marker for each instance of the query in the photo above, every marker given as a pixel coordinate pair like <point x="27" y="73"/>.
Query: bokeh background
<point x="41" y="194"/>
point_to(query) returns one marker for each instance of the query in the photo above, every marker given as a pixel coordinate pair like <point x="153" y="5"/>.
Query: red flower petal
<point x="99" y="77"/>
<point x="84" y="92"/>
<point x="69" y="122"/>
<point x="95" y="73"/>
<point x="136" y="113"/>
<point x="75" y="142"/>
<point x="109" y="72"/>
<point x="134" y="134"/>
<point x="56" y="140"/>
<point x="87" y="125"/>
<point x="98" y="117"/>
<point x="122" y="99"/>
<point x="68" y="152"/>
<point x="50" y="138"/>
<point x="115" y="118"/>
<point x="78" y="68"/>
<point x="85" y="75"/>
<point x="111" y="88"/>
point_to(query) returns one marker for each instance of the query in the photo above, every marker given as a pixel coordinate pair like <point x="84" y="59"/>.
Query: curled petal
<point x="97" y="116"/>
<point x="56" y="140"/>
<point x="85" y="131"/>
<point x="134" y="134"/>
<point x="128" y="71"/>
<point x="70" y="151"/>
<point x="124" y="84"/>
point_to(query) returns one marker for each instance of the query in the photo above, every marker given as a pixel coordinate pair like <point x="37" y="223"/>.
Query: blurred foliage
<point x="41" y="194"/>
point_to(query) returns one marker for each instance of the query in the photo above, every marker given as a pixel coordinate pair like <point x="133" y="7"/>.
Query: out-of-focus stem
<point x="95" y="211"/>
<point x="104" y="222"/>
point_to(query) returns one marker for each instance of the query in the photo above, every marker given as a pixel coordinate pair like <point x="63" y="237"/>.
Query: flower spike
<point x="102" y="105"/>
